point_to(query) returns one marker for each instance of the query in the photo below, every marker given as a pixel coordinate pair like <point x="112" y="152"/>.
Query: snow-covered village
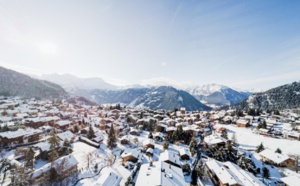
<point x="69" y="142"/>
<point x="149" y="93"/>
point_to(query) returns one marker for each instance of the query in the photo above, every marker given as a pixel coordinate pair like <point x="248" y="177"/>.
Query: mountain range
<point x="161" y="97"/>
<point x="70" y="82"/>
<point x="282" y="97"/>
<point x="212" y="95"/>
<point x="218" y="95"/>
<point x="13" y="83"/>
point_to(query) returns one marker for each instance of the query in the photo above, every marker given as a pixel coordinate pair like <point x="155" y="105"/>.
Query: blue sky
<point x="243" y="44"/>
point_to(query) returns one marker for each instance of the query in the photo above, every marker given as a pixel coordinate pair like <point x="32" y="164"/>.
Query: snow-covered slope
<point x="161" y="97"/>
<point x="216" y="95"/>
<point x="282" y="97"/>
<point x="70" y="82"/>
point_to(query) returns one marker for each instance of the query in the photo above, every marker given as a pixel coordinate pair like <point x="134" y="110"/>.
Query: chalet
<point x="132" y="155"/>
<point x="276" y="158"/>
<point x="214" y="139"/>
<point x="229" y="174"/>
<point x="242" y="123"/>
<point x="291" y="180"/>
<point x="109" y="178"/>
<point x="184" y="154"/>
<point x="263" y="131"/>
<point x="63" y="167"/>
<point x="148" y="143"/>
<point x="160" y="173"/>
<point x="125" y="140"/>
<point x="170" y="157"/>
<point x="149" y="152"/>
<point x="63" y="124"/>
<point x="66" y="135"/>
<point x="249" y="119"/>
<point x="159" y="136"/>
<point x="170" y="130"/>
<point x="134" y="131"/>
<point x="20" y="136"/>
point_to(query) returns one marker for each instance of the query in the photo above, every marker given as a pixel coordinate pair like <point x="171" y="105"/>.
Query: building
<point x="109" y="178"/>
<point x="229" y="174"/>
<point x="276" y="158"/>
<point x="63" y="167"/>
<point x="148" y="143"/>
<point x="291" y="180"/>
<point x="171" y="158"/>
<point x="242" y="123"/>
<point x="20" y="136"/>
<point x="132" y="155"/>
<point x="160" y="173"/>
<point x="184" y="154"/>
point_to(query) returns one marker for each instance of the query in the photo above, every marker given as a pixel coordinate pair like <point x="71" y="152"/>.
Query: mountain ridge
<point x="14" y="83"/>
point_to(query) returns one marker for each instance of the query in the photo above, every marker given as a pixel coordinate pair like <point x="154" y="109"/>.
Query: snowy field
<point x="246" y="138"/>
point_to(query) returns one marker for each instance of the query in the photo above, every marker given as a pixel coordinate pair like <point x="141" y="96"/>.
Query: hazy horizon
<point x="240" y="44"/>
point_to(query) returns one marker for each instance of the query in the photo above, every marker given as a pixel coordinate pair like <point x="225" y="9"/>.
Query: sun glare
<point x="47" y="47"/>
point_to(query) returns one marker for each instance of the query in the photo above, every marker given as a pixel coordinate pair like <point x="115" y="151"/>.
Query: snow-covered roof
<point x="148" y="141"/>
<point x="184" y="151"/>
<point x="213" y="139"/>
<point x="60" y="165"/>
<point x="242" y="121"/>
<point x="5" y="119"/>
<point x="20" y="133"/>
<point x="273" y="156"/>
<point x="109" y="179"/>
<point x="231" y="174"/>
<point x="63" y="122"/>
<point x="160" y="173"/>
<point x="291" y="180"/>
<point x="168" y="155"/>
<point x="66" y="135"/>
<point x="131" y="152"/>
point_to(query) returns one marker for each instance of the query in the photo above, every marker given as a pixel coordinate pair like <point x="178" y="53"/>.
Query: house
<point x="20" y="136"/>
<point x="184" y="154"/>
<point x="63" y="124"/>
<point x="290" y="180"/>
<point x="159" y="136"/>
<point x="66" y="135"/>
<point x="242" y="123"/>
<point x="132" y="155"/>
<point x="214" y="139"/>
<point x="148" y="143"/>
<point x="170" y="157"/>
<point x="125" y="140"/>
<point x="63" y="167"/>
<point x="229" y="174"/>
<point x="109" y="178"/>
<point x="160" y="173"/>
<point x="134" y="131"/>
<point x="276" y="158"/>
<point x="263" y="131"/>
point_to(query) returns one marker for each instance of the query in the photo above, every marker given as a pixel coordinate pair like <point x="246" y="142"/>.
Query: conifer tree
<point x="193" y="146"/>
<point x="265" y="173"/>
<point x="150" y="136"/>
<point x="224" y="134"/>
<point x="111" y="140"/>
<point x="91" y="133"/>
<point x="260" y="148"/>
<point x="29" y="158"/>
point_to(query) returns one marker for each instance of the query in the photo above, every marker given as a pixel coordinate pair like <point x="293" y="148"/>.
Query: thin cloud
<point x="163" y="64"/>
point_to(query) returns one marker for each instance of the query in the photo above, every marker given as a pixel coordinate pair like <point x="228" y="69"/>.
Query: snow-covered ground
<point x="81" y="151"/>
<point x="246" y="138"/>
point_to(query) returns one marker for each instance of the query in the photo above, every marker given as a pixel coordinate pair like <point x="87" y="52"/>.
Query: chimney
<point x="169" y="166"/>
